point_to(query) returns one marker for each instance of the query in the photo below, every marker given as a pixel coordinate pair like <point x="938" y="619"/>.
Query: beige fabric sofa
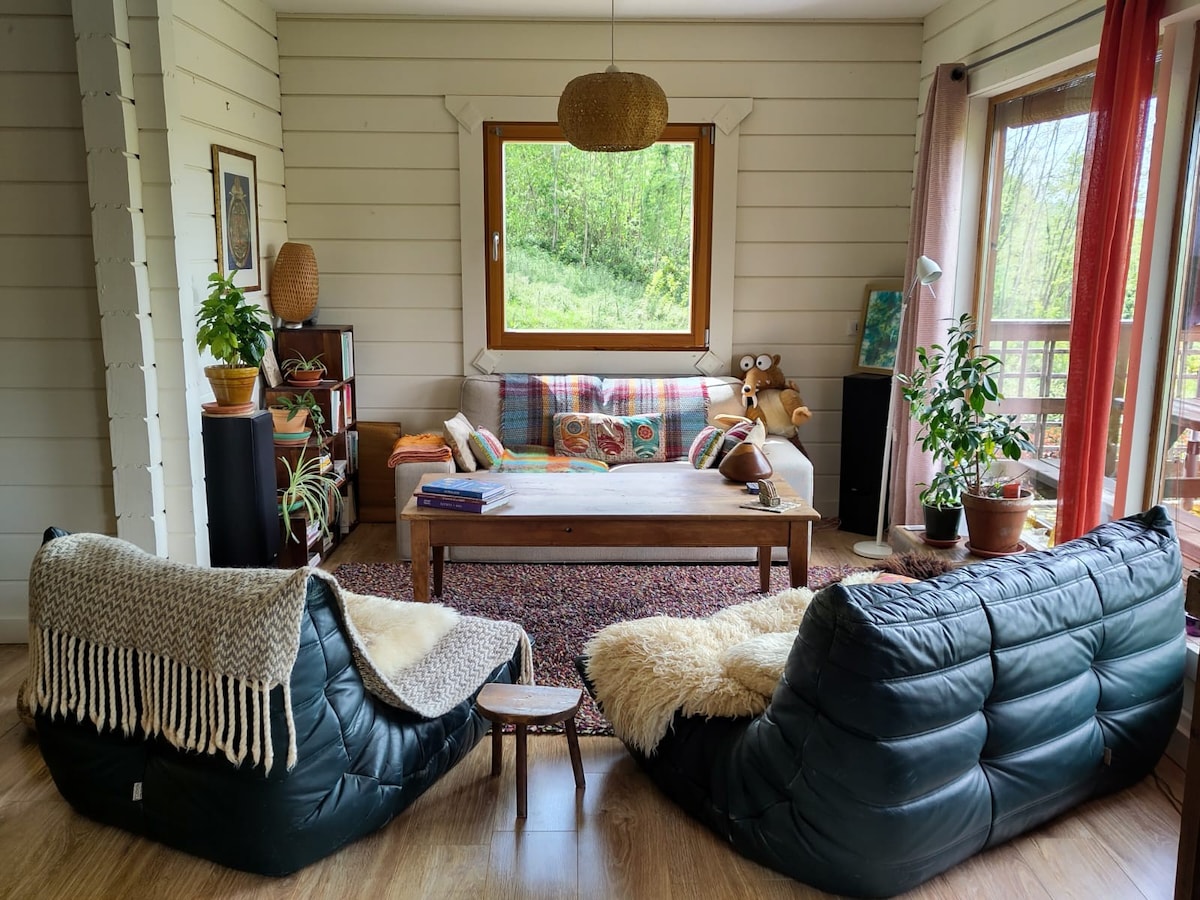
<point x="479" y="401"/>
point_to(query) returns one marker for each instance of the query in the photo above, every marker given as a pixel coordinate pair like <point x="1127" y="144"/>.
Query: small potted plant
<point x="309" y="492"/>
<point x="236" y="332"/>
<point x="290" y="412"/>
<point x="949" y="392"/>
<point x="301" y="370"/>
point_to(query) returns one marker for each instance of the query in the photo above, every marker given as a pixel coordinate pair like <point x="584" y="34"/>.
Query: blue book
<point x="465" y="487"/>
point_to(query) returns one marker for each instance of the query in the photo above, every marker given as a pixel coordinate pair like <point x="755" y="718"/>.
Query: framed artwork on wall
<point x="879" y="329"/>
<point x="235" y="196"/>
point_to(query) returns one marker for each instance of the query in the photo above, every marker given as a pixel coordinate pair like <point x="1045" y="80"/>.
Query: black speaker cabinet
<point x="864" y="421"/>
<point x="239" y="466"/>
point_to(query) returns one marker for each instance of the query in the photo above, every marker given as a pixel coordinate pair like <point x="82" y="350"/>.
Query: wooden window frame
<point x="495" y="134"/>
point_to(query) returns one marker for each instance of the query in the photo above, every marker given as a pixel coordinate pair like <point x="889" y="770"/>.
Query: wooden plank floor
<point x="617" y="838"/>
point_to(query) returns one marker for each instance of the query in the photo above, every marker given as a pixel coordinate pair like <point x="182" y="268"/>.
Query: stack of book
<point x="464" y="494"/>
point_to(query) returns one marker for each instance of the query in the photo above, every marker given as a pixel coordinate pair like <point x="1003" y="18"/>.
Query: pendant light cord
<point x="612" y="33"/>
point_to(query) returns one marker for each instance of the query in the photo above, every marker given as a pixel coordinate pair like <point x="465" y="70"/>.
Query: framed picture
<point x="270" y="368"/>
<point x="879" y="330"/>
<point x="235" y="195"/>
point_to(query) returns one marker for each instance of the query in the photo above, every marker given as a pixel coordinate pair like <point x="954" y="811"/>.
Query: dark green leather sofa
<point x="916" y="725"/>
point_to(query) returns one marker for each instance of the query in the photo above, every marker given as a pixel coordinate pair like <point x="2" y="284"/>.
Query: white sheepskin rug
<point x="725" y="665"/>
<point x="397" y="633"/>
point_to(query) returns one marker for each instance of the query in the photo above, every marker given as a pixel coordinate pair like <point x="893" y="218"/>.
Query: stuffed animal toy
<point x="769" y="397"/>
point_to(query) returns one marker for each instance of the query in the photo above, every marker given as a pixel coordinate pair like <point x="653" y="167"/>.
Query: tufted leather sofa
<point x="916" y="725"/>
<point x="359" y="763"/>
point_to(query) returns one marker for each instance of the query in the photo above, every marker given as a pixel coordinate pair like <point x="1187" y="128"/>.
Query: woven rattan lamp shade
<point x="294" y="282"/>
<point x="612" y="111"/>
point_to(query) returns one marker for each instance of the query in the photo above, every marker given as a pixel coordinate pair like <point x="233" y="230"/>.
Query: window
<point x="597" y="251"/>
<point x="1038" y="137"/>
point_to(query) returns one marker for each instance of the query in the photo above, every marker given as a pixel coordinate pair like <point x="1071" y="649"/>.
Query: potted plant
<point x="236" y="332"/>
<point x="301" y="370"/>
<point x="949" y="392"/>
<point x="290" y="412"/>
<point x="309" y="492"/>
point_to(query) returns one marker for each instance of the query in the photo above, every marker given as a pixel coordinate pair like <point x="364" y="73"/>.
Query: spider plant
<point x="311" y="491"/>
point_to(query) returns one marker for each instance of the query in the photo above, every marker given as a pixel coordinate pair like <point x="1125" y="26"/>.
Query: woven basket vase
<point x="294" y="282"/>
<point x="612" y="111"/>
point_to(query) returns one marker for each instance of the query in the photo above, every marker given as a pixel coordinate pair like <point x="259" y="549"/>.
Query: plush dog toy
<point x="769" y="397"/>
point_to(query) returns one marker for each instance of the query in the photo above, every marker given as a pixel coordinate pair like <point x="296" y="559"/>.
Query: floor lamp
<point x="927" y="272"/>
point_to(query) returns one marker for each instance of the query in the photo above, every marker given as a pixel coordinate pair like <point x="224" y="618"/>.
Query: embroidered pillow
<point x="613" y="439"/>
<point x="487" y="448"/>
<point x="733" y="436"/>
<point x="706" y="446"/>
<point x="457" y="432"/>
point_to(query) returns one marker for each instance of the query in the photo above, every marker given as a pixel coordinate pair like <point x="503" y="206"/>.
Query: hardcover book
<point x="461" y="504"/>
<point x="466" y="487"/>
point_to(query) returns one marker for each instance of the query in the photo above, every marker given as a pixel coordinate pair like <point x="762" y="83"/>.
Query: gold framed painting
<point x="235" y="198"/>
<point x="879" y="328"/>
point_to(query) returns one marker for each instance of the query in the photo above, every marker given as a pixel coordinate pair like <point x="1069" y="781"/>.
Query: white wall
<point x="222" y="88"/>
<point x="55" y="467"/>
<point x="825" y="168"/>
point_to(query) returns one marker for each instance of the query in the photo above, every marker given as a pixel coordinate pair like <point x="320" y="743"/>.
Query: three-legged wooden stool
<point x="522" y="705"/>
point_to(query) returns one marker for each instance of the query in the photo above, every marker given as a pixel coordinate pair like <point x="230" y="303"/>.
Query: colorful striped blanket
<point x="539" y="462"/>
<point x="528" y="404"/>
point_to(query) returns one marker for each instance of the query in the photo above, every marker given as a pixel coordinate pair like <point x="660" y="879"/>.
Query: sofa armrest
<point x="790" y="464"/>
<point x="408" y="476"/>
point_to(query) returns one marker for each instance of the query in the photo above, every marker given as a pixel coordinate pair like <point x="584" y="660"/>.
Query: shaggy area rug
<point x="561" y="606"/>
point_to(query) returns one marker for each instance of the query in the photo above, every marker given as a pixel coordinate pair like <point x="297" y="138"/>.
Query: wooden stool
<point x="522" y="705"/>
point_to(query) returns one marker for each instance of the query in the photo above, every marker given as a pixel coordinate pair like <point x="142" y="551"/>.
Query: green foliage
<point x="310" y="491"/>
<point x="300" y="363"/>
<point x="597" y="240"/>
<point x="949" y="392"/>
<point x="230" y="327"/>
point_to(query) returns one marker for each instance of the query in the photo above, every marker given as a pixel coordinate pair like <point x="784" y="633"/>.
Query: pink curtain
<point x="1116" y="132"/>
<point x="937" y="194"/>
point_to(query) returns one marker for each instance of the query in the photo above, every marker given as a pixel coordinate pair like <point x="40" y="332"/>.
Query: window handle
<point x="495" y="246"/>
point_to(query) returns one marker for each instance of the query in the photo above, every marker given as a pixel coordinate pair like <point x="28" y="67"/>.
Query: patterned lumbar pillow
<point x="486" y="447"/>
<point x="706" y="447"/>
<point x="613" y="439"/>
<point x="457" y="432"/>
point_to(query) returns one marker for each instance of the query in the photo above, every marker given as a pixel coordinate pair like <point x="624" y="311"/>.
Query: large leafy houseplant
<point x="949" y="392"/>
<point x="236" y="332"/>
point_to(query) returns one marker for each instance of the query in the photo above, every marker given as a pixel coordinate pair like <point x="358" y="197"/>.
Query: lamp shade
<point x="927" y="270"/>
<point x="612" y="111"/>
<point x="294" y="282"/>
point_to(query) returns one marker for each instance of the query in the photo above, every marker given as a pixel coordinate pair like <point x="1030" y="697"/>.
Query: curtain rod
<point x="960" y="72"/>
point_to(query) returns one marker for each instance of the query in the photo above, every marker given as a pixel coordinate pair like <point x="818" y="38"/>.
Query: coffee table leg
<point x="522" y="774"/>
<point x="439" y="557"/>
<point x="764" y="569"/>
<point x="798" y="538"/>
<point x="420" y="560"/>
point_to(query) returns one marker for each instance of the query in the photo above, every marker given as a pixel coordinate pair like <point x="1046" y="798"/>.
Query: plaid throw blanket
<point x="682" y="401"/>
<point x="528" y="404"/>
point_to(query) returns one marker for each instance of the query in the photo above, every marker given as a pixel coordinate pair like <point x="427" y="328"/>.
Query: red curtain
<point x="1120" y="100"/>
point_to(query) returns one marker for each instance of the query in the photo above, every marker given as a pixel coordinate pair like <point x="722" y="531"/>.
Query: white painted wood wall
<point x="825" y="173"/>
<point x="55" y="464"/>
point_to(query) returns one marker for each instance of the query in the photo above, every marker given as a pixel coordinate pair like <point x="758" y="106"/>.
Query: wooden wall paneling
<point x="408" y="291"/>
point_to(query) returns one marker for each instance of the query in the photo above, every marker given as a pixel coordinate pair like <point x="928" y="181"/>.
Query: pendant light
<point x="612" y="111"/>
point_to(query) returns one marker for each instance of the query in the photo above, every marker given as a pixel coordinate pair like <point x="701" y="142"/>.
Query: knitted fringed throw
<point x="127" y="640"/>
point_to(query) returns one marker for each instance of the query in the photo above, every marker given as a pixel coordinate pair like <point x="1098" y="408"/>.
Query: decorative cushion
<point x="486" y="447"/>
<point x="457" y="432"/>
<point x="541" y="462"/>
<point x="613" y="439"/>
<point x="734" y="435"/>
<point x="705" y="448"/>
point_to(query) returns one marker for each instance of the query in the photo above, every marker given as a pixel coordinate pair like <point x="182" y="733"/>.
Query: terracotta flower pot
<point x="745" y="463"/>
<point x="232" y="386"/>
<point x="304" y="377"/>
<point x="284" y="425"/>
<point x="995" y="523"/>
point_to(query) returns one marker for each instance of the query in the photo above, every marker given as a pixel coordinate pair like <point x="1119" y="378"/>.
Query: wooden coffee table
<point x="688" y="508"/>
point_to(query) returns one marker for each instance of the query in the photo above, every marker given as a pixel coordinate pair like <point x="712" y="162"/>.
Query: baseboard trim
<point x="14" y="630"/>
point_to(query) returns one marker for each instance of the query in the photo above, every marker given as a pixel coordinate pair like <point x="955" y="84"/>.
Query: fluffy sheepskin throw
<point x="397" y="633"/>
<point x="728" y="664"/>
